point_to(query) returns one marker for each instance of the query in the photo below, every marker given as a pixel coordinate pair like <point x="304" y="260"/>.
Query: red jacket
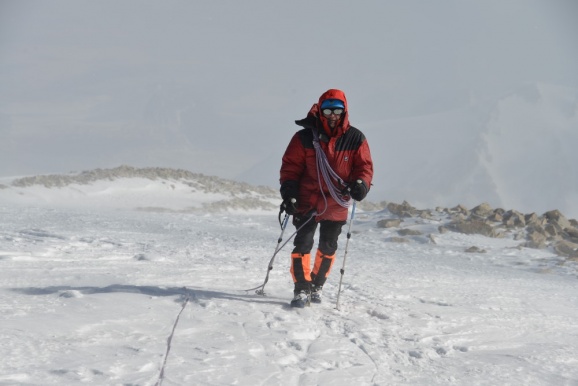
<point x="347" y="152"/>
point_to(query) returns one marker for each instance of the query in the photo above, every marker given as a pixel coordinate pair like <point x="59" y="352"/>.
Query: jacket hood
<point x="333" y="94"/>
<point x="343" y="123"/>
<point x="315" y="119"/>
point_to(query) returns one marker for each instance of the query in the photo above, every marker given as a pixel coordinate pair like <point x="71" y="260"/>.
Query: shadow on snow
<point x="182" y="292"/>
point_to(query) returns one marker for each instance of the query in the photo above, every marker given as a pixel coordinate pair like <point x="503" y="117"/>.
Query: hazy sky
<point x="215" y="86"/>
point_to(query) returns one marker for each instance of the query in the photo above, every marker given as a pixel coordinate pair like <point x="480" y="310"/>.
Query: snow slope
<point x="151" y="189"/>
<point x="112" y="296"/>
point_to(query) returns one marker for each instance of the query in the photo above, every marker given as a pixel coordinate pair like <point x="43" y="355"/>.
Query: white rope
<point x="169" y="342"/>
<point x="329" y="176"/>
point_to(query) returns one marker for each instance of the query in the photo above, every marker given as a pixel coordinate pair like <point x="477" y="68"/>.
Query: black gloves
<point x="356" y="190"/>
<point x="290" y="206"/>
<point x="289" y="193"/>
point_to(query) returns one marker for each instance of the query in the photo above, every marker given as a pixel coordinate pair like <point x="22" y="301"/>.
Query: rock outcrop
<point x="549" y="230"/>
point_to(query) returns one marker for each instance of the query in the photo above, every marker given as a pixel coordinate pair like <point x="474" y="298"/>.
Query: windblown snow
<point x="92" y="285"/>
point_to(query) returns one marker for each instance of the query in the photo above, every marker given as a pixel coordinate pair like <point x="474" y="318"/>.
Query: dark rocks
<point x="514" y="219"/>
<point x="389" y="223"/>
<point x="473" y="226"/>
<point x="409" y="232"/>
<point x="403" y="210"/>
<point x="566" y="248"/>
<point x="551" y="230"/>
<point x="482" y="211"/>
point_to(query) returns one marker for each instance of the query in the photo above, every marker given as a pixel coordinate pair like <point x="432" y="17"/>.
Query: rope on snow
<point x="169" y="341"/>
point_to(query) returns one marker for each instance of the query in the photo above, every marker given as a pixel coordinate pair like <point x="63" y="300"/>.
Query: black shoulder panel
<point x="351" y="140"/>
<point x="306" y="137"/>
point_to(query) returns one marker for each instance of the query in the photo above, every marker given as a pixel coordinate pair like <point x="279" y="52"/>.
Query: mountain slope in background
<point x="154" y="189"/>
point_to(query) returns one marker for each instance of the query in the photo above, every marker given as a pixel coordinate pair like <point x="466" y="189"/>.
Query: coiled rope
<point x="329" y="176"/>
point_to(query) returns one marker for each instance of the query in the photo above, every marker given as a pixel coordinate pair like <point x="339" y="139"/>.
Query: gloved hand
<point x="289" y="205"/>
<point x="289" y="192"/>
<point x="357" y="190"/>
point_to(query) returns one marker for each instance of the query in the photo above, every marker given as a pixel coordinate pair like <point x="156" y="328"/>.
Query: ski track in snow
<point x="91" y="297"/>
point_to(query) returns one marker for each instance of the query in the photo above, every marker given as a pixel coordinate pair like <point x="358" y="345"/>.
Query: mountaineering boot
<point x="321" y="269"/>
<point x="301" y="272"/>
<point x="302" y="294"/>
<point x="316" y="294"/>
<point x="300" y="299"/>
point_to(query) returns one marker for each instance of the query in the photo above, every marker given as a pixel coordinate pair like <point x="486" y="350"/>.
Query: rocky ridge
<point x="550" y="230"/>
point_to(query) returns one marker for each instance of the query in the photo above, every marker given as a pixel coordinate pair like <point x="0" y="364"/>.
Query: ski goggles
<point x="328" y="112"/>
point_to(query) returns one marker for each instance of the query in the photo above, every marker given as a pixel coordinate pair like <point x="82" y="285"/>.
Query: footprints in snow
<point x="401" y="323"/>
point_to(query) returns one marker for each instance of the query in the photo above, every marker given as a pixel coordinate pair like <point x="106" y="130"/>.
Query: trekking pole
<point x="345" y="256"/>
<point x="260" y="290"/>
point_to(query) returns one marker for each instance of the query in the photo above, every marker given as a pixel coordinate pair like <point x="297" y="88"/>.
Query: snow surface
<point x="108" y="295"/>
